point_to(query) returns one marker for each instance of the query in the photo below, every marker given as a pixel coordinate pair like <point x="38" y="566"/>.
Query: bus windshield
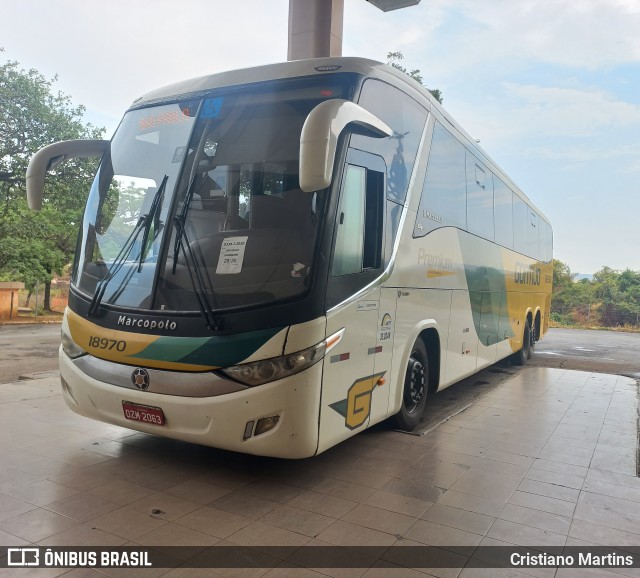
<point x="199" y="200"/>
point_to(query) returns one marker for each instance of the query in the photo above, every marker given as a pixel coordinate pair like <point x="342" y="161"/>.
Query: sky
<point x="550" y="88"/>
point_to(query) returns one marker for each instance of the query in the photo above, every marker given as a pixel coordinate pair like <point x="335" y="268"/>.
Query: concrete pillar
<point x="315" y="28"/>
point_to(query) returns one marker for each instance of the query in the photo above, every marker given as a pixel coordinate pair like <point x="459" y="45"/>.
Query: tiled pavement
<point x="547" y="458"/>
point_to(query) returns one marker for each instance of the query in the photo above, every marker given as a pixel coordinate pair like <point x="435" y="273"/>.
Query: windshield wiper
<point x="180" y="219"/>
<point x="143" y="224"/>
<point x="199" y="279"/>
<point x="153" y="216"/>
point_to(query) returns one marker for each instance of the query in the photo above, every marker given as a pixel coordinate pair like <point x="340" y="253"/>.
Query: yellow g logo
<point x="357" y="407"/>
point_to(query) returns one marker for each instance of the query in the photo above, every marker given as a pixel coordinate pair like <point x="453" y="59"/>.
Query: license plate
<point x="143" y="413"/>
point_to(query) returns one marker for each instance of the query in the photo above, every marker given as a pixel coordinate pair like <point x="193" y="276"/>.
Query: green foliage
<point x="610" y="299"/>
<point x="32" y="114"/>
<point x="562" y="320"/>
<point x="562" y="276"/>
<point x="394" y="58"/>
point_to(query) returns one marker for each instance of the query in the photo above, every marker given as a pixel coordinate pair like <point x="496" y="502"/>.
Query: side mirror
<point x="51" y="156"/>
<point x="319" y="139"/>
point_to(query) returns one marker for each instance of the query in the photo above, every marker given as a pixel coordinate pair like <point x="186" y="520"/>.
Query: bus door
<point x="350" y="381"/>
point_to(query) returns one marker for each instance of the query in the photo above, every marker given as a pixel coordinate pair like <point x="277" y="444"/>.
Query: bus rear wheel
<point x="526" y="351"/>
<point x="416" y="388"/>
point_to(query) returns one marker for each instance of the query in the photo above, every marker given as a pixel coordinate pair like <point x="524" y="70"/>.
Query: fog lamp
<point x="266" y="424"/>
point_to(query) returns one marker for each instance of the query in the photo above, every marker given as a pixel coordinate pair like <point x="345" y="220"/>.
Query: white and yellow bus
<point x="272" y="260"/>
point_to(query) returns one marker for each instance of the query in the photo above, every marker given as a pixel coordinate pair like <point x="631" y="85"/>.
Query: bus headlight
<point x="266" y="370"/>
<point x="69" y="346"/>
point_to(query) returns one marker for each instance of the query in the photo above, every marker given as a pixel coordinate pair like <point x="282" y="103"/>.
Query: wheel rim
<point x="532" y="341"/>
<point x="415" y="384"/>
<point x="526" y="345"/>
<point x="532" y="336"/>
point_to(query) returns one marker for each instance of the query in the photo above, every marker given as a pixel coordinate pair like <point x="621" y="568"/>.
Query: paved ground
<point x="587" y="350"/>
<point x="28" y="349"/>
<point x="535" y="456"/>
<point x="542" y="457"/>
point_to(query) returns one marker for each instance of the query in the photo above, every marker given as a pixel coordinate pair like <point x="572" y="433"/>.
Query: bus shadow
<point x="455" y="399"/>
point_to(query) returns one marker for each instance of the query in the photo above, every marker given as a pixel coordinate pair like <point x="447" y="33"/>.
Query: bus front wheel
<point x="416" y="387"/>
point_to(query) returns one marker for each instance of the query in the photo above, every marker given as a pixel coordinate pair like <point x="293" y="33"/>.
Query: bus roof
<point x="317" y="67"/>
<point x="282" y="70"/>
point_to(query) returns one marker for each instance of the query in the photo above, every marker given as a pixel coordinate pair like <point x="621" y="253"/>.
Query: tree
<point x="394" y="58"/>
<point x="629" y="285"/>
<point x="629" y="280"/>
<point x="562" y="276"/>
<point x="34" y="246"/>
<point x="573" y="302"/>
<point x="610" y="299"/>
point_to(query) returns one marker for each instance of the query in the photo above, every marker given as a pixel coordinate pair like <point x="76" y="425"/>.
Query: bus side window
<point x="358" y="244"/>
<point x="520" y="225"/>
<point x="358" y="255"/>
<point x="546" y="241"/>
<point x="533" y="235"/>
<point x="373" y="222"/>
<point x="479" y="198"/>
<point x="349" y="247"/>
<point x="443" y="202"/>
<point x="407" y="119"/>
<point x="503" y="213"/>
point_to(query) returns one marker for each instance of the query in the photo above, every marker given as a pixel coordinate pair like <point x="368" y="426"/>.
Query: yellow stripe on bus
<point x="121" y="346"/>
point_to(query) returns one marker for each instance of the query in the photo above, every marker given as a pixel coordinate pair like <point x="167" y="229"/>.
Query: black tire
<point x="532" y="340"/>
<point x="416" y="388"/>
<point x="520" y="357"/>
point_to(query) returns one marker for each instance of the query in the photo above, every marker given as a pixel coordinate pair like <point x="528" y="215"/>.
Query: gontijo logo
<point x="357" y="407"/>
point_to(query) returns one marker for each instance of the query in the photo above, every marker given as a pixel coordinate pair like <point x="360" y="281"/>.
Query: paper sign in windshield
<point x="231" y="255"/>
